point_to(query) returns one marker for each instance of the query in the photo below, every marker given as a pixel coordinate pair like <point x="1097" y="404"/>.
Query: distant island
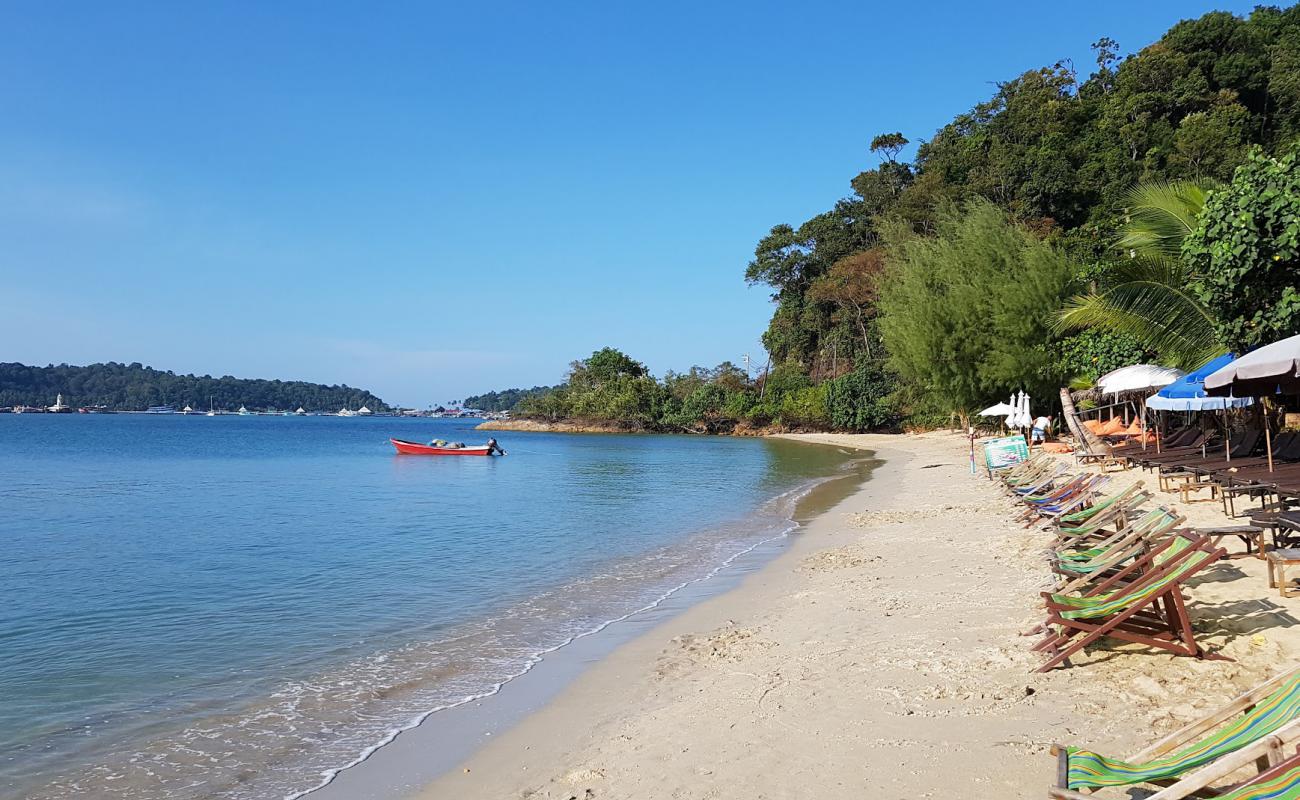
<point x="135" y="387"/>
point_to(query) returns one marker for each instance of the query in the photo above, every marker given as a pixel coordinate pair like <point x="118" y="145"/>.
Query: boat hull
<point x="416" y="449"/>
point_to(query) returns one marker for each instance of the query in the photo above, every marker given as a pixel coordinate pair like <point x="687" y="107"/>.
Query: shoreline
<point x="500" y="767"/>
<point x="879" y="655"/>
<point x="433" y="745"/>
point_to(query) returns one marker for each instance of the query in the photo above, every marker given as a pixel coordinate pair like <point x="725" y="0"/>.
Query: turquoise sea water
<point x="238" y="607"/>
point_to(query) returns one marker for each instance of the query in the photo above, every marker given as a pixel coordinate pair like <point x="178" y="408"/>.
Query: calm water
<point x="237" y="607"/>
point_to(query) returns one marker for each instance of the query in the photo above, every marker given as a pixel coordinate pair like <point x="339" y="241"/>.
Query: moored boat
<point x="416" y="449"/>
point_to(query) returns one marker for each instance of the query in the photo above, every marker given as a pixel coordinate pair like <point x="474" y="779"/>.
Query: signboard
<point x="1005" y="452"/>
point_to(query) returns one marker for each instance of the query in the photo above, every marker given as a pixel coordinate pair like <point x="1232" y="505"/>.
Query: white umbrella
<point x="999" y="410"/>
<point x="1264" y="372"/>
<point x="1137" y="377"/>
<point x="1012" y="412"/>
<point x="1026" y="418"/>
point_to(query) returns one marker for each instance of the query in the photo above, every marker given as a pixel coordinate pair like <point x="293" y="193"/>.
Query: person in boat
<point x="493" y="447"/>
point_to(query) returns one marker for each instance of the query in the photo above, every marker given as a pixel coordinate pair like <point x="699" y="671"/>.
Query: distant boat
<point x="59" y="407"/>
<point x="212" y="412"/>
<point x="301" y="412"/>
<point x="187" y="410"/>
<point x="243" y="412"/>
<point x="347" y="412"/>
<point x="93" y="410"/>
<point x="406" y="448"/>
<point x="163" y="409"/>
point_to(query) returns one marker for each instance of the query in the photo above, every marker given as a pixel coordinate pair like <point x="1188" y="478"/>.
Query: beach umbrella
<point x="999" y="410"/>
<point x="1012" y="412"/>
<point x="1272" y="369"/>
<point x="1021" y="414"/>
<point x="1188" y="393"/>
<point x="1136" y="378"/>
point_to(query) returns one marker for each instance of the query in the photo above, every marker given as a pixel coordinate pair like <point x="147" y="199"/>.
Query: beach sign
<point x="1005" y="452"/>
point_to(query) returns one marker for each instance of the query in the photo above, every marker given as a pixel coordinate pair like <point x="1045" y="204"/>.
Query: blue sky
<point x="430" y="200"/>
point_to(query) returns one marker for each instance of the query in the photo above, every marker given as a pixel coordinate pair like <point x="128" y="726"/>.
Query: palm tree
<point x="1150" y="298"/>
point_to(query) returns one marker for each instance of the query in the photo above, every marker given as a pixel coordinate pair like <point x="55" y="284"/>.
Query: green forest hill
<point x="134" y="387"/>
<point x="1066" y="226"/>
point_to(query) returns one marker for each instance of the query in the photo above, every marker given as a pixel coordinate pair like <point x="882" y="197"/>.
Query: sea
<point x="243" y="606"/>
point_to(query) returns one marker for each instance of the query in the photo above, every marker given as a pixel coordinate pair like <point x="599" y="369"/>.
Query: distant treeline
<point x="612" y="388"/>
<point x="504" y="400"/>
<point x="133" y="387"/>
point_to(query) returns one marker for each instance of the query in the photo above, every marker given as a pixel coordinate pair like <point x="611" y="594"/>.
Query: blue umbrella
<point x="1188" y="392"/>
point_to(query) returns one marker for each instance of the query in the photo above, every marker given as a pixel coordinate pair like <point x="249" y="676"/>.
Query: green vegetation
<point x="1245" y="252"/>
<point x="1067" y="226"/>
<point x="967" y="312"/>
<point x="504" y="400"/>
<point x="1060" y="154"/>
<point x="1150" y="296"/>
<point x="134" y="387"/>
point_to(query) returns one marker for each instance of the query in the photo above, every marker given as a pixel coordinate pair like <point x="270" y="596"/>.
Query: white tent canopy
<point x="1138" y="377"/>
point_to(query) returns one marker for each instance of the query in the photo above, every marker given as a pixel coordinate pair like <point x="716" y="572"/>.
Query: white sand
<point x="879" y="657"/>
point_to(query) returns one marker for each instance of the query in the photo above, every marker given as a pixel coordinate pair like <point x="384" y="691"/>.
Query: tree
<point x="1245" y="251"/>
<point x="852" y="284"/>
<point x="968" y="313"/>
<point x="1149" y="296"/>
<point x="890" y="144"/>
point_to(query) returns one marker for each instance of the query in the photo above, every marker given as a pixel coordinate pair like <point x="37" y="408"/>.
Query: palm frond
<point x="1161" y="315"/>
<point x="1159" y="215"/>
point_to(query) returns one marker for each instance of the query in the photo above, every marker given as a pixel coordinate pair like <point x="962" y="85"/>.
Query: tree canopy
<point x="1245" y="252"/>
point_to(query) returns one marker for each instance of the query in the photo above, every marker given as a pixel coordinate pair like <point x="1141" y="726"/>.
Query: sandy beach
<point x="879" y="656"/>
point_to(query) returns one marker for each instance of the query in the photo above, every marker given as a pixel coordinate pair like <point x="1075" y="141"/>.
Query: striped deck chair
<point x="1078" y="568"/>
<point x="1028" y="471"/>
<point x="1104" y="525"/>
<point x="1141" y="603"/>
<point x="1065" y="502"/>
<point x="1044" y="481"/>
<point x="1090" y="512"/>
<point x="1017" y="473"/>
<point x="1251" y="729"/>
<point x="1054" y="490"/>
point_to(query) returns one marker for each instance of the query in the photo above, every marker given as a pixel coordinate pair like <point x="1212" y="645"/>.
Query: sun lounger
<point x="1107" y="521"/>
<point x="1252" y="728"/>
<point x="1240" y="451"/>
<point x="1077" y="568"/>
<point x="1072" y="495"/>
<point x="1140" y="603"/>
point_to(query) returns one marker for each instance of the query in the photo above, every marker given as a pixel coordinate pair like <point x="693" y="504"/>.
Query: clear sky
<point x="431" y="200"/>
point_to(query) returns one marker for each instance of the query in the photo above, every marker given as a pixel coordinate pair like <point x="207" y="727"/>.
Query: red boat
<point x="416" y="449"/>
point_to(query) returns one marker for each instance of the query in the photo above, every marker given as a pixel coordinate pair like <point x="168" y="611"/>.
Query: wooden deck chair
<point x="1026" y="470"/>
<point x="1140" y="603"/>
<point x="1084" y="493"/>
<point x="1251" y="729"/>
<point x="1096" y="564"/>
<point x="1055" y="490"/>
<point x="1087" y="513"/>
<point x="1103" y="525"/>
<point x="1043" y="483"/>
